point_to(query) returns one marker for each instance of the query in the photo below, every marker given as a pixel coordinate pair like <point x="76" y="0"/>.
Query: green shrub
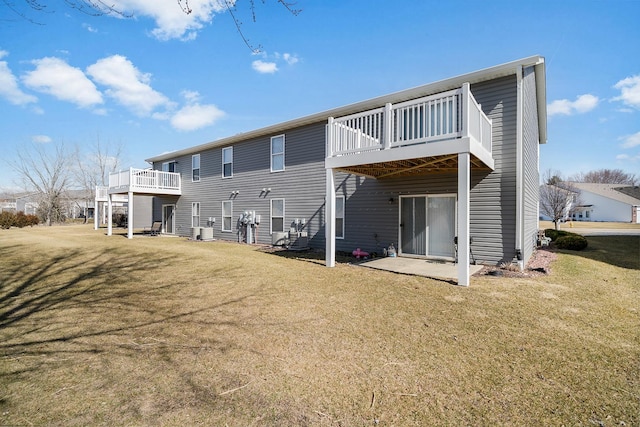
<point x="554" y="234"/>
<point x="573" y="242"/>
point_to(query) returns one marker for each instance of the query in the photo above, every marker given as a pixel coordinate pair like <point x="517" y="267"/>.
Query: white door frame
<point x="173" y="218"/>
<point x="426" y="243"/>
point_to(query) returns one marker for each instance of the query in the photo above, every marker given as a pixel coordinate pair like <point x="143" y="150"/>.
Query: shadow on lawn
<point x="72" y="303"/>
<point x="620" y="251"/>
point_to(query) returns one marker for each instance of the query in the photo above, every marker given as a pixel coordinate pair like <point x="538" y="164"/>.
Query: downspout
<point x="519" y="170"/>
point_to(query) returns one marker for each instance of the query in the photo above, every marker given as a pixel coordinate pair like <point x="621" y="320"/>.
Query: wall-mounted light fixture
<point x="390" y="200"/>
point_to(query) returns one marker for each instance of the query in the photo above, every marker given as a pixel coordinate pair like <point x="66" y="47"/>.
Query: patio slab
<point x="419" y="267"/>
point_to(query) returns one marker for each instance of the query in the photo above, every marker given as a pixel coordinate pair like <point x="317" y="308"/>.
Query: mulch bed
<point x="539" y="265"/>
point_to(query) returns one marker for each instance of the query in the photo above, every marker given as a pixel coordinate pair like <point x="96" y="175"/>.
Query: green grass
<point x="98" y="330"/>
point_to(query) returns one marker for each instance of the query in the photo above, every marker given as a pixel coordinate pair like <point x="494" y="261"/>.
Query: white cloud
<point x="629" y="91"/>
<point x="631" y="141"/>
<point x="194" y="116"/>
<point x="582" y="104"/>
<point x="628" y="158"/>
<point x="289" y="58"/>
<point x="57" y="78"/>
<point x="41" y="139"/>
<point x="269" y="62"/>
<point x="171" y="20"/>
<point x="127" y="85"/>
<point x="9" y="88"/>
<point x="264" y="67"/>
<point x="89" y="28"/>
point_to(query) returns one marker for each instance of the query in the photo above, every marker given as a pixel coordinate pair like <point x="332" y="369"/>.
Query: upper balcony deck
<point x="144" y="181"/>
<point x="417" y="136"/>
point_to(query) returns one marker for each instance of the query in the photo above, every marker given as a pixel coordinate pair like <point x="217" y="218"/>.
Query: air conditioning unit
<point x="206" y="233"/>
<point x="280" y="238"/>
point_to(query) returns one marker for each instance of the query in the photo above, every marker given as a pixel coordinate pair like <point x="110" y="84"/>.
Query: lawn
<point x="98" y="330"/>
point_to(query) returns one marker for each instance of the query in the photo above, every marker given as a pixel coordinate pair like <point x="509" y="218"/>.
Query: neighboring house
<point x="454" y="160"/>
<point x="21" y="202"/>
<point x="607" y="202"/>
<point x="557" y="202"/>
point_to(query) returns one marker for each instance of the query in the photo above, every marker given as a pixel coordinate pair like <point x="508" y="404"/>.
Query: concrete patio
<point x="419" y="267"/>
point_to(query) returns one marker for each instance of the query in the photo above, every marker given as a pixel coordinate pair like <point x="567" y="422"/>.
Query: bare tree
<point x="100" y="8"/>
<point x="48" y="175"/>
<point x="92" y="169"/>
<point x="606" y="176"/>
<point x="558" y="198"/>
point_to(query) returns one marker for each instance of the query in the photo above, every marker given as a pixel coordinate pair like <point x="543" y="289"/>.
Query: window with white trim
<point x="277" y="153"/>
<point x="195" y="214"/>
<point x="277" y="215"/>
<point x="227" y="162"/>
<point x="195" y="167"/>
<point x="227" y="215"/>
<point x="169" y="166"/>
<point x="339" y="217"/>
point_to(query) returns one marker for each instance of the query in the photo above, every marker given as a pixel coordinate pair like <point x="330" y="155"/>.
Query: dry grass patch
<point x="158" y="331"/>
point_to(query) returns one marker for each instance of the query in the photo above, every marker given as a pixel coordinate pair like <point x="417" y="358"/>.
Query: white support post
<point x="109" y="215"/>
<point x="466" y="113"/>
<point x="330" y="219"/>
<point x="330" y="141"/>
<point x="464" y="185"/>
<point x="130" y="216"/>
<point x="388" y="125"/>
<point x="96" y="212"/>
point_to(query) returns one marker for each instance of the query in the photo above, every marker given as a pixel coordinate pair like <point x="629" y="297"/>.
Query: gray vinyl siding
<point x="301" y="184"/>
<point x="372" y="223"/>
<point x="531" y="141"/>
<point x="371" y="220"/>
<point x="493" y="195"/>
<point x="142" y="206"/>
<point x="371" y="206"/>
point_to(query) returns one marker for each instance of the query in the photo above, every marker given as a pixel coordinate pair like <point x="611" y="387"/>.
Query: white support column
<point x="330" y="219"/>
<point x="109" y="215"/>
<point x="330" y="141"/>
<point x="464" y="185"/>
<point x="388" y="125"/>
<point x="96" y="212"/>
<point x="466" y="115"/>
<point x="130" y="216"/>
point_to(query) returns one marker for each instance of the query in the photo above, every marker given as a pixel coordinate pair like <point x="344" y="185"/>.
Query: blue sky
<point x="161" y="80"/>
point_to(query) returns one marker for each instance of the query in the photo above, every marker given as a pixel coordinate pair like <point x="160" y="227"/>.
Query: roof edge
<point x="485" y="74"/>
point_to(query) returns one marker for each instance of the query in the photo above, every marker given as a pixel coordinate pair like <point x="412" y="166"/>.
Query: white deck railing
<point x="102" y="193"/>
<point x="448" y="115"/>
<point x="145" y="180"/>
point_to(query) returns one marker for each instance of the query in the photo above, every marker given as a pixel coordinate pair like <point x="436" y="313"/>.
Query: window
<point x="195" y="214"/>
<point x="277" y="215"/>
<point x="340" y="217"/>
<point x="195" y="167"/>
<point x="277" y="153"/>
<point x="227" y="162"/>
<point x="169" y="166"/>
<point x="227" y="215"/>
